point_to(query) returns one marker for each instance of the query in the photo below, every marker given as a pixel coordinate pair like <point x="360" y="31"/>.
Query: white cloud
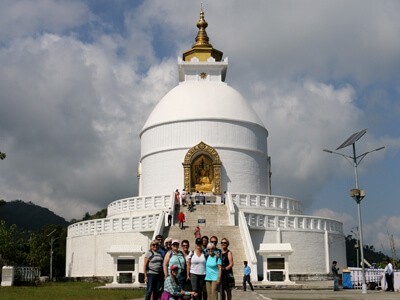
<point x="72" y="116"/>
<point x="303" y="118"/>
<point x="72" y="109"/>
<point x="380" y="232"/>
<point x="377" y="233"/>
<point x="22" y="18"/>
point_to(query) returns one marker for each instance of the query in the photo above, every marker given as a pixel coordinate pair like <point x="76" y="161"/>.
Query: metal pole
<point x="357" y="196"/>
<point x="355" y="165"/>
<point x="357" y="246"/>
<point x="51" y="259"/>
<point x="364" y="285"/>
<point x="358" y="255"/>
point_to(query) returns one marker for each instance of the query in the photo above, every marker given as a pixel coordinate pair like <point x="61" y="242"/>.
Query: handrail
<point x="162" y="221"/>
<point x="159" y="226"/>
<point x="231" y="208"/>
<point x="248" y="246"/>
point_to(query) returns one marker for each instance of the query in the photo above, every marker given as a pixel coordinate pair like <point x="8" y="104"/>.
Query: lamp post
<point x="357" y="246"/>
<point x="356" y="193"/>
<point x="51" y="254"/>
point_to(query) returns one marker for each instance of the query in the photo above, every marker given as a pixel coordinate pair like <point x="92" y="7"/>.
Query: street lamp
<point x="51" y="254"/>
<point x="356" y="245"/>
<point x="356" y="193"/>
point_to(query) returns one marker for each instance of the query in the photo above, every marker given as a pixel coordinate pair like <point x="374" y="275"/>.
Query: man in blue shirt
<point x="246" y="276"/>
<point x="335" y="273"/>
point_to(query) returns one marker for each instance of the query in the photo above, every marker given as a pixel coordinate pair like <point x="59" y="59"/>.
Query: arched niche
<point x="202" y="169"/>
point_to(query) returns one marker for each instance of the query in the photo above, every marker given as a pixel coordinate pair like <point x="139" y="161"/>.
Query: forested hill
<point x="28" y="216"/>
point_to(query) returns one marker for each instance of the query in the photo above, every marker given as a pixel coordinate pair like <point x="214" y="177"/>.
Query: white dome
<point x="202" y="100"/>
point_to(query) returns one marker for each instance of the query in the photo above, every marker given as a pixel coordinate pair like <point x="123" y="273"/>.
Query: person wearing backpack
<point x="196" y="264"/>
<point x="153" y="271"/>
<point x="175" y="257"/>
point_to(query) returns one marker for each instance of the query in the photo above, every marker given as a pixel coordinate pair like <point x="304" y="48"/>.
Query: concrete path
<point x="313" y="294"/>
<point x="319" y="290"/>
<point x="310" y="290"/>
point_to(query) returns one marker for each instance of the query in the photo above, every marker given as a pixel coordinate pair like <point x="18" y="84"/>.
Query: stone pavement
<point x="265" y="294"/>
<point x="310" y="290"/>
<point x="318" y="290"/>
<point x="292" y="294"/>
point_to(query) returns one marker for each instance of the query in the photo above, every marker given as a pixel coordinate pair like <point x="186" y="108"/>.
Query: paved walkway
<point x="311" y="290"/>
<point x="321" y="290"/>
<point x="313" y="294"/>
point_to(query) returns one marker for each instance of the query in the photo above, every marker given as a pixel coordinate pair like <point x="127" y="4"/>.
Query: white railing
<point x="371" y="275"/>
<point x="139" y="203"/>
<point x="159" y="228"/>
<point x="248" y="244"/>
<point x="284" y="204"/>
<point x="27" y="274"/>
<point x="259" y="220"/>
<point x="231" y="208"/>
<point x="112" y="225"/>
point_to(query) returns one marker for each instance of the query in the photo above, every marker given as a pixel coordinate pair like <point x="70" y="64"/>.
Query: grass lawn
<point x="68" y="291"/>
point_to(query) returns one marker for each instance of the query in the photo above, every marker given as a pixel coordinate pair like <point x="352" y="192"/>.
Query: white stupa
<point x="204" y="136"/>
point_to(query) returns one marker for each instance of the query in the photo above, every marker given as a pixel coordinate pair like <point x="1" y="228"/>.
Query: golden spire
<point x="202" y="49"/>
<point x="202" y="37"/>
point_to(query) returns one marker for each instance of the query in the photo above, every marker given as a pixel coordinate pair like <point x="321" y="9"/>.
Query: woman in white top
<point x="196" y="263"/>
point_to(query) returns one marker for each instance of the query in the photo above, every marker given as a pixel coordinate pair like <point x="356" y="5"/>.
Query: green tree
<point x="12" y="244"/>
<point x="370" y="254"/>
<point x="2" y="155"/>
<point x="40" y="245"/>
<point x="86" y="216"/>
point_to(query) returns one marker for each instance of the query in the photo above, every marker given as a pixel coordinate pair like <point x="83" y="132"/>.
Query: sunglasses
<point x="154" y="244"/>
<point x="214" y="242"/>
<point x="224" y="243"/>
<point x="212" y="249"/>
<point x="175" y="244"/>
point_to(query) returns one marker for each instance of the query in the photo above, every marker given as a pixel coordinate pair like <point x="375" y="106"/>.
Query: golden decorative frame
<point x="194" y="152"/>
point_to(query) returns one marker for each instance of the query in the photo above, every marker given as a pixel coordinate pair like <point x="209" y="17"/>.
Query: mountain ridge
<point x="27" y="215"/>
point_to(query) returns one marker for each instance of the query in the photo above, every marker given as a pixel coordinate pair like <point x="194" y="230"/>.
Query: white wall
<point x="87" y="255"/>
<point x="242" y="148"/>
<point x="308" y="246"/>
<point x="337" y="250"/>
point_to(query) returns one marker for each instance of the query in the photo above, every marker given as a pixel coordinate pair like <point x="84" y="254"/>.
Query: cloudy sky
<point x="79" y="78"/>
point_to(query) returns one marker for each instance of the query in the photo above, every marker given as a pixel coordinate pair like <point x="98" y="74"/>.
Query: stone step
<point x="213" y="214"/>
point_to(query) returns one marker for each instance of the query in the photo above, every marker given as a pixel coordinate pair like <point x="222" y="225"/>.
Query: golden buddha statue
<point x="204" y="183"/>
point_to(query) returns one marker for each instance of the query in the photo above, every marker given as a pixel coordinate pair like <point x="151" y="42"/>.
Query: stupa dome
<point x="194" y="100"/>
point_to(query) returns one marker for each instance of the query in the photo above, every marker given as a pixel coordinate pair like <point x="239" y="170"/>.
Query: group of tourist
<point x="172" y="271"/>
<point x="187" y="199"/>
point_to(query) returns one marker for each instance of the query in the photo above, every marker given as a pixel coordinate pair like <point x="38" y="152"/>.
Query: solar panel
<point x="352" y="139"/>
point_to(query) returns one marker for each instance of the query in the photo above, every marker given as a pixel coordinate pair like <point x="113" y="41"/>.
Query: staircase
<point x="216" y="223"/>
